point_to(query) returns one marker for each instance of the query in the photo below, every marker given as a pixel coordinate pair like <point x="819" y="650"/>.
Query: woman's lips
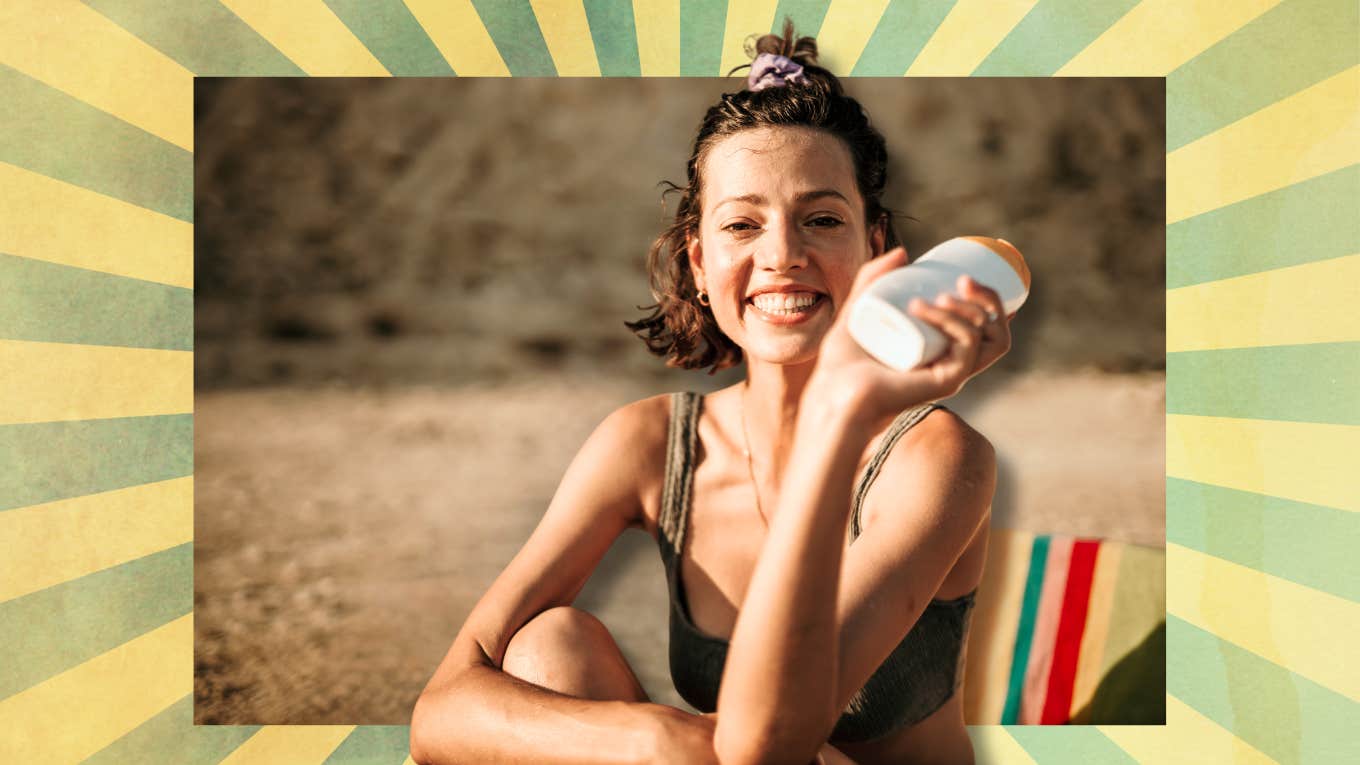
<point x="787" y="317"/>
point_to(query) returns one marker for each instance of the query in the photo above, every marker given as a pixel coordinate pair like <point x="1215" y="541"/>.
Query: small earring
<point x="703" y="298"/>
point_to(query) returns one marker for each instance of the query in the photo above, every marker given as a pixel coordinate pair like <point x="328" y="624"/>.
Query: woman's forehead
<point x="778" y="161"/>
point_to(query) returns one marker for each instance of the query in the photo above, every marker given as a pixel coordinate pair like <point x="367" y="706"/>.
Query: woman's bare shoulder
<point x="633" y="439"/>
<point x="941" y="459"/>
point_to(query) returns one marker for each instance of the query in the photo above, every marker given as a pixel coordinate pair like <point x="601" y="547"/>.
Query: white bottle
<point x="879" y="321"/>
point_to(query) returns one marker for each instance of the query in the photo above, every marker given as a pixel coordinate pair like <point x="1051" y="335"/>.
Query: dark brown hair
<point x="680" y="329"/>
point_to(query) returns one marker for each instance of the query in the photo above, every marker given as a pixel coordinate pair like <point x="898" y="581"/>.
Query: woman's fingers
<point x="981" y="294"/>
<point x="955" y="326"/>
<point x="972" y="312"/>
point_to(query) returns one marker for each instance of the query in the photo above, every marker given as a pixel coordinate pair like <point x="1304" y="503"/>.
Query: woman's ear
<point x="878" y="236"/>
<point x="696" y="259"/>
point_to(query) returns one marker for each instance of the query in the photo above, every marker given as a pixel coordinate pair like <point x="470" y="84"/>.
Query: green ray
<point x="1068" y="743"/>
<point x="702" y="26"/>
<point x="614" y="34"/>
<point x="392" y="34"/>
<point x="1311" y="545"/>
<point x="900" y="35"/>
<point x="48" y="302"/>
<point x="44" y="130"/>
<point x="48" y="461"/>
<point x="1306" y="222"/>
<point x="514" y="29"/>
<point x="1050" y="35"/>
<point x="202" y="35"/>
<point x="54" y="629"/>
<point x="1290" y="718"/>
<point x="1299" y="383"/>
<point x="171" y="736"/>
<point x="807" y="16"/>
<point x="373" y="745"/>
<point x="1283" y="51"/>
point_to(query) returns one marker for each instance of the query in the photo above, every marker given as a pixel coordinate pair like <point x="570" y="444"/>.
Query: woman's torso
<point x="722" y="537"/>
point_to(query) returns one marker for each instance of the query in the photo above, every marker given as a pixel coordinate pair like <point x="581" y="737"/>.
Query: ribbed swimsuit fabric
<point x="918" y="677"/>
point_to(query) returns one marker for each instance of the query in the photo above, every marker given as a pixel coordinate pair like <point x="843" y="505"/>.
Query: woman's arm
<point x="781" y="692"/>
<point x="471" y="711"/>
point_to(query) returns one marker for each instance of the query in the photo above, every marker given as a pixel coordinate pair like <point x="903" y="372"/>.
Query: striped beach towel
<point x="1067" y="630"/>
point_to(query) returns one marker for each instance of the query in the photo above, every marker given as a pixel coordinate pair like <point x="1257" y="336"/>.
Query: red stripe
<point x="1058" y="701"/>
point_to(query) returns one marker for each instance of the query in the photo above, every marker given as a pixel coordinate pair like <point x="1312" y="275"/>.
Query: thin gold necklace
<point x="750" y="466"/>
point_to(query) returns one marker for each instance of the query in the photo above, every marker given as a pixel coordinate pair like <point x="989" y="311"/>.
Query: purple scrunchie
<point x="771" y="70"/>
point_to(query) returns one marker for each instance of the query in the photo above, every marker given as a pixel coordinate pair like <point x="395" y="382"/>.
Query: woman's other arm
<point x="473" y="712"/>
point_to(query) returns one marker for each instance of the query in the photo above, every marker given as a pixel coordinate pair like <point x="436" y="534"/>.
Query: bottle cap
<point x="1008" y="253"/>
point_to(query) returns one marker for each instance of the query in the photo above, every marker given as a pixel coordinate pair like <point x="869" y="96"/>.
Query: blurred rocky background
<point x="410" y="298"/>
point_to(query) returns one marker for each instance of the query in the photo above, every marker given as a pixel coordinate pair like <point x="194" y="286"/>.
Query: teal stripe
<point x="48" y="461"/>
<point x="1068" y="743"/>
<point x="1050" y="35"/>
<point x="52" y="630"/>
<point x="1024" y="631"/>
<point x="1311" y="545"/>
<point x="702" y="25"/>
<point x="615" y="37"/>
<point x="900" y="35"/>
<point x="807" y="16"/>
<point x="203" y="36"/>
<point x="171" y="736"/>
<point x="44" y="130"/>
<point x="392" y="34"/>
<point x="1290" y="47"/>
<point x="62" y="304"/>
<point x="1298" y="383"/>
<point x="514" y="29"/>
<point x="1303" y="223"/>
<point x="373" y="745"/>
<point x="1288" y="717"/>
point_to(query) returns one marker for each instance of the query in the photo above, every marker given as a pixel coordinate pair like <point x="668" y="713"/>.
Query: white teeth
<point x="784" y="302"/>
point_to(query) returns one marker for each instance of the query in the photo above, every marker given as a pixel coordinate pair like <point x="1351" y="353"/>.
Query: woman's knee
<point x="570" y="651"/>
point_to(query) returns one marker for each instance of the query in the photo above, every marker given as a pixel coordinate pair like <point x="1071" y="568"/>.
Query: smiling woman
<point x="822" y="522"/>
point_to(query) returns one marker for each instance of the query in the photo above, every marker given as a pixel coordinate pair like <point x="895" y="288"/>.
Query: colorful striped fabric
<point x="1055" y="614"/>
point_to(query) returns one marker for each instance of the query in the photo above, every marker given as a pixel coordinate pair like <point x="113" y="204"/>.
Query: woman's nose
<point x="781" y="249"/>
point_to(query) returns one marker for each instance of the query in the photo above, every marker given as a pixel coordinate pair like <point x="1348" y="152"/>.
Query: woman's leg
<point x="568" y="650"/>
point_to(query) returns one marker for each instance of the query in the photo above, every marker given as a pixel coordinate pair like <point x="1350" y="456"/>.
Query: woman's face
<point x="781" y="235"/>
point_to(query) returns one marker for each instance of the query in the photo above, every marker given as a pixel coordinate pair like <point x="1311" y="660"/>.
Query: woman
<point x="826" y="651"/>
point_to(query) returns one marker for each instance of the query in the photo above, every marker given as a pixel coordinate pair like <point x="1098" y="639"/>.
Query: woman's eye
<point x="739" y="226"/>
<point x="825" y="221"/>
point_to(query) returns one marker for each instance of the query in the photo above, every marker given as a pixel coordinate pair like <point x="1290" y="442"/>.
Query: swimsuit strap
<point x="901" y="425"/>
<point x="675" y="494"/>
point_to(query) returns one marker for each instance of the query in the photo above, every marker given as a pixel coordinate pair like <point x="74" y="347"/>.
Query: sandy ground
<point x="342" y="536"/>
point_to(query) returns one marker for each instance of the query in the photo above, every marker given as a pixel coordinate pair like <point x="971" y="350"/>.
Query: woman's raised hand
<point x="975" y="323"/>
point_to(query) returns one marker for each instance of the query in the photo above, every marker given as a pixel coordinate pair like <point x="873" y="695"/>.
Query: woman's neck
<point x="769" y="401"/>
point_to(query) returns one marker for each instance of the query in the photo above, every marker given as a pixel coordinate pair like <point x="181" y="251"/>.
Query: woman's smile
<point x="785" y="308"/>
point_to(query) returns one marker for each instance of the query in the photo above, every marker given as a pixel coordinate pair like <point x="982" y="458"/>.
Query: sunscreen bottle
<point x="879" y="321"/>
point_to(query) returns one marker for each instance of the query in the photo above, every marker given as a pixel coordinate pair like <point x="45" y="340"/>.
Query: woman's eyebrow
<point x="802" y="196"/>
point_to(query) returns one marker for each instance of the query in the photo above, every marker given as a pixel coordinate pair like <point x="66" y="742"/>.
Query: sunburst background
<point x="96" y="321"/>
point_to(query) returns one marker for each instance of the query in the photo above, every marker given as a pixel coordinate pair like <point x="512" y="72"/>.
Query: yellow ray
<point x="462" y="39"/>
<point x="45" y="382"/>
<point x="846" y="31"/>
<point x="1303" y="461"/>
<point x="658" y="36"/>
<point x="566" y="30"/>
<point x="972" y="29"/>
<point x="1157" y="36"/>
<point x="1309" y="631"/>
<point x="991" y="743"/>
<point x="1310" y="133"/>
<point x="50" y="220"/>
<point x="310" y="35"/>
<point x="80" y="711"/>
<point x="59" y="541"/>
<point x="1188" y="738"/>
<point x="1311" y="303"/>
<point x="76" y="50"/>
<point x="290" y="744"/>
<point x="743" y="20"/>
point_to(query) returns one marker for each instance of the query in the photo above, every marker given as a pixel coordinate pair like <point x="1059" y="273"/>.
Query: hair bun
<point x="802" y="50"/>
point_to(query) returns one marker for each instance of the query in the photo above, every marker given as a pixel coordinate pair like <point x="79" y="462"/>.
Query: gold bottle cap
<point x="1008" y="253"/>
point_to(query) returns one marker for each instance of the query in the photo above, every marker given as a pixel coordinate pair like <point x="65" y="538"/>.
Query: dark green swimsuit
<point x="917" y="678"/>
